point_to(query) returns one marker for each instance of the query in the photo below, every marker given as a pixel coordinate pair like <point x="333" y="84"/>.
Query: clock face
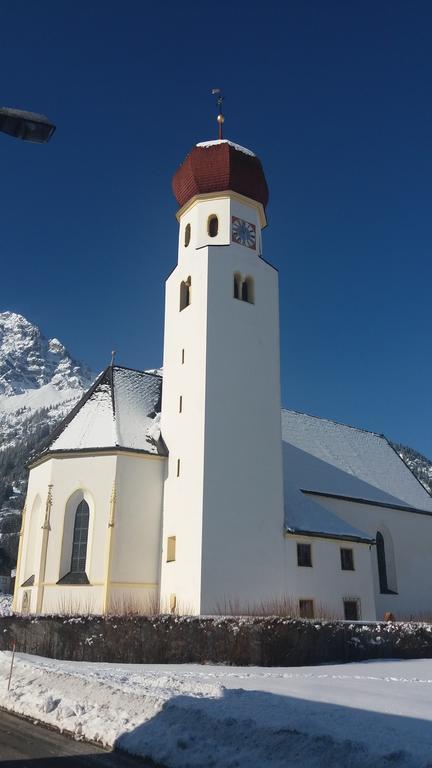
<point x="243" y="232"/>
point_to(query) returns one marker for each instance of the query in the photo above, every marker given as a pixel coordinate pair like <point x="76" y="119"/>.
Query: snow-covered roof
<point x="215" y="142"/>
<point x="323" y="457"/>
<point x="121" y="410"/>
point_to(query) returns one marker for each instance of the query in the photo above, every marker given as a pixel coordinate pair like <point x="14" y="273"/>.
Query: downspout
<point x="109" y="543"/>
<point x="18" y="566"/>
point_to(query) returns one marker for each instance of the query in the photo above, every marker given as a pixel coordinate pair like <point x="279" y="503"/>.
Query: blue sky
<point x="335" y="98"/>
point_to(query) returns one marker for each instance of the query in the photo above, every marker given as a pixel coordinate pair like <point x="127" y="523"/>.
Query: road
<point x="24" y="745"/>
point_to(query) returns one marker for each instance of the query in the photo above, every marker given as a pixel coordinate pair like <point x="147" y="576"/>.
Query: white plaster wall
<point x="184" y="432"/>
<point x="137" y="532"/>
<point x="39" y="479"/>
<point x="226" y="508"/>
<point x="412" y="543"/>
<point x="94" y="475"/>
<point x="325" y="582"/>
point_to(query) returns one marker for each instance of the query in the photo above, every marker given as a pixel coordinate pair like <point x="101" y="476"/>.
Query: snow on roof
<point x="120" y="410"/>
<point x="226" y="141"/>
<point x="331" y="458"/>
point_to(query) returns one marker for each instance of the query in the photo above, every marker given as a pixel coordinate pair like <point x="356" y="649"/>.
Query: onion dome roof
<point x="216" y="166"/>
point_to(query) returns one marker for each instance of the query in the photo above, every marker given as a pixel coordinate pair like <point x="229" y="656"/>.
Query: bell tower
<point x="223" y="497"/>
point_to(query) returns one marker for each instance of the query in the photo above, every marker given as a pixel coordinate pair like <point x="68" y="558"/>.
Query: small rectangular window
<point x="180" y="403"/>
<point x="306" y="609"/>
<point x="304" y="555"/>
<point x="347" y="559"/>
<point x="182" y="356"/>
<point x="178" y="467"/>
<point x="352" y="609"/>
<point x="171" y="549"/>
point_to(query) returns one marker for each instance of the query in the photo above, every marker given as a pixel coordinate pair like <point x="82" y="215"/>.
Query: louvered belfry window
<point x="80" y="538"/>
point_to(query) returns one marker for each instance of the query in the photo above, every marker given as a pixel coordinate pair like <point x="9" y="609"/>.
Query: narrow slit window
<point x="247" y="292"/>
<point x="178" y="467"/>
<point x="237" y="285"/>
<point x="185" y="293"/>
<point x="182" y="356"/>
<point x="187" y="235"/>
<point x="180" y="403"/>
<point x="212" y="225"/>
<point x="171" y="549"/>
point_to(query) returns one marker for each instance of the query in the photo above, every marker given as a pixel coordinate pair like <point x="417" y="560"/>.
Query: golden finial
<point x="219" y="100"/>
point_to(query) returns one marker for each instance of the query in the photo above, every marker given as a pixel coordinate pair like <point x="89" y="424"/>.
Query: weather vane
<point x="220" y="118"/>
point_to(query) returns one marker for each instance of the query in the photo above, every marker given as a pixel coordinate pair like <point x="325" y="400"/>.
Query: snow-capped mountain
<point x="419" y="465"/>
<point x="39" y="384"/>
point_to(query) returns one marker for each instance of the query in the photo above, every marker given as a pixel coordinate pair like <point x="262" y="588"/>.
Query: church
<point x="193" y="492"/>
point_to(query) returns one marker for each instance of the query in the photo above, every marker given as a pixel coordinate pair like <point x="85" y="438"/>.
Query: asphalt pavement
<point x="25" y="745"/>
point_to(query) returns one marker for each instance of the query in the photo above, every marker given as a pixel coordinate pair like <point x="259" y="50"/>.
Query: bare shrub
<point x="286" y="606"/>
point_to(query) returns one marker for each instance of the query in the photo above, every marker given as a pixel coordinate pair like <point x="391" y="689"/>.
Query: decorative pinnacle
<point x="113" y="357"/>
<point x="219" y="100"/>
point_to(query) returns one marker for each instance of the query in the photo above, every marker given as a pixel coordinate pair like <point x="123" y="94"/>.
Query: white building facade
<point x="202" y="499"/>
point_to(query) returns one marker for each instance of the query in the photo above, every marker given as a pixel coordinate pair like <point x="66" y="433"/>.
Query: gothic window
<point x="80" y="537"/>
<point x="185" y="293"/>
<point x="212" y="225"/>
<point x="382" y="565"/>
<point x="237" y="285"/>
<point x="187" y="235"/>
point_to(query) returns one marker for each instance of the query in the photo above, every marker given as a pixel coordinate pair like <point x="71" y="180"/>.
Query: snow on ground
<point x="357" y="715"/>
<point x="5" y="604"/>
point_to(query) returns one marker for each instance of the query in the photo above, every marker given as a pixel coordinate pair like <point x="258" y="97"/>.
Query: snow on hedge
<point x="5" y="604"/>
<point x="357" y="715"/>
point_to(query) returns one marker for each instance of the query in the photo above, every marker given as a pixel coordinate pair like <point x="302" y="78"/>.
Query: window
<point x="212" y="225"/>
<point x="347" y="559"/>
<point x="80" y="537"/>
<point x="182" y="357"/>
<point x="304" y="555"/>
<point x="351" y="609"/>
<point x="187" y="235"/>
<point x="178" y="467"/>
<point x="180" y="403"/>
<point x="382" y="565"/>
<point x="185" y="293"/>
<point x="306" y="609"/>
<point x="244" y="288"/>
<point x="171" y="549"/>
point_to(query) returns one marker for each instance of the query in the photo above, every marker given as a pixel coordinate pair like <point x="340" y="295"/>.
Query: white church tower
<point x="223" y="545"/>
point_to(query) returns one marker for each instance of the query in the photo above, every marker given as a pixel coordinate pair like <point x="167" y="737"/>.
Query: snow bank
<point x="361" y="715"/>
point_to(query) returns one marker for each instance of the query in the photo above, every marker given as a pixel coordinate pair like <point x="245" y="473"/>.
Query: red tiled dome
<point x="216" y="166"/>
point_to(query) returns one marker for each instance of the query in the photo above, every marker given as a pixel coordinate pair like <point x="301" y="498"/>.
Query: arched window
<point x="382" y="565"/>
<point x="80" y="538"/>
<point x="185" y="293"/>
<point x="237" y="285"/>
<point x="212" y="225"/>
<point x="187" y="235"/>
<point x="248" y="290"/>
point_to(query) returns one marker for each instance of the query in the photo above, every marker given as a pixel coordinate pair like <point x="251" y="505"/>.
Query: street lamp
<point x="28" y="126"/>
